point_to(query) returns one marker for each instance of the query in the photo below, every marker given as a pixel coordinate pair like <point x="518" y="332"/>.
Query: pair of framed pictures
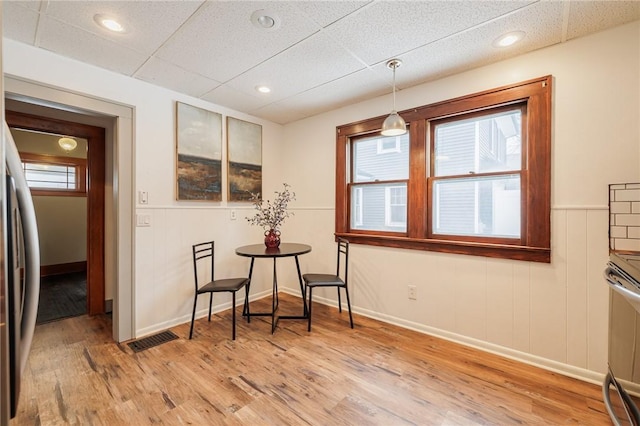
<point x="199" y="156"/>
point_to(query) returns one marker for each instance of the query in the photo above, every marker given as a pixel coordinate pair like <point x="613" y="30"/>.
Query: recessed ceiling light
<point x="508" y="39"/>
<point x="263" y="89"/>
<point x="109" y="23"/>
<point x="265" y="19"/>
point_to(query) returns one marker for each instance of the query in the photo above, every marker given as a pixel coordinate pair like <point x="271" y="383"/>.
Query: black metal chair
<point x="313" y="280"/>
<point x="204" y="251"/>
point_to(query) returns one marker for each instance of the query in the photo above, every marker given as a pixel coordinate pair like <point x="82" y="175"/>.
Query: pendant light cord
<point x="394" y="87"/>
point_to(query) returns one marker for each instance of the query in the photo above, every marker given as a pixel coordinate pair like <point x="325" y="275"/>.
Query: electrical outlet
<point x="413" y="292"/>
<point x="232" y="215"/>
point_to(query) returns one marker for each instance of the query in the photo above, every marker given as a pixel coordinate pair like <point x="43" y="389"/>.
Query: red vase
<point x="272" y="238"/>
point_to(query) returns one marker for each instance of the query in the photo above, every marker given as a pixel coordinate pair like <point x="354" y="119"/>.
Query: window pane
<point x="379" y="207"/>
<point x="490" y="143"/>
<point x="381" y="158"/>
<point x="50" y="176"/>
<point x="488" y="206"/>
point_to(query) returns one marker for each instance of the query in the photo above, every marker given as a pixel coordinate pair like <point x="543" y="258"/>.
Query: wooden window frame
<point x="80" y="165"/>
<point x="535" y="241"/>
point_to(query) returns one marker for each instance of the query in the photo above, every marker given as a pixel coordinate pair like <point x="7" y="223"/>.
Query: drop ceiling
<point x="321" y="55"/>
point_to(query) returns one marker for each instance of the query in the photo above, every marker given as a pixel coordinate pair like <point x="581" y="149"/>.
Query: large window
<point x="471" y="176"/>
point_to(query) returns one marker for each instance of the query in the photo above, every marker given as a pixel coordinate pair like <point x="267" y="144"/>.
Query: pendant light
<point x="394" y="125"/>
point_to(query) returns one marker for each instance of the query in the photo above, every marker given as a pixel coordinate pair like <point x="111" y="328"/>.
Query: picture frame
<point x="198" y="154"/>
<point x="244" y="156"/>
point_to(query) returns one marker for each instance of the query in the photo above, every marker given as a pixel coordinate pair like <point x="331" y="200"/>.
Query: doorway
<point x="95" y="184"/>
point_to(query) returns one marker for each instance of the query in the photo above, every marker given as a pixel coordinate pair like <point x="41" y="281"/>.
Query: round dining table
<point x="260" y="251"/>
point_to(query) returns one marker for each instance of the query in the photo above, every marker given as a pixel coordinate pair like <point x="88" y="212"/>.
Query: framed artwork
<point x="199" y="154"/>
<point x="244" y="151"/>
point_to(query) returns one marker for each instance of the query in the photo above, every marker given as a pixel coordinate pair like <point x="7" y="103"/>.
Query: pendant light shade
<point x="394" y="125"/>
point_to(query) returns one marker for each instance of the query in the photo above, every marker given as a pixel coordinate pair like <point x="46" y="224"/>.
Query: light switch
<point x="143" y="197"/>
<point x="143" y="220"/>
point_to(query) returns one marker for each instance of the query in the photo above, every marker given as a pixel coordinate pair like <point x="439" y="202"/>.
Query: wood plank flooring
<point x="375" y="374"/>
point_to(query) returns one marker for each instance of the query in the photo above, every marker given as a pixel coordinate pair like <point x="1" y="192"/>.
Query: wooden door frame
<point x="95" y="137"/>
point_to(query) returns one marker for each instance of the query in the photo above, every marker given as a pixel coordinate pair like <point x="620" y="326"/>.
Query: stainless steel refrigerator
<point x="19" y="275"/>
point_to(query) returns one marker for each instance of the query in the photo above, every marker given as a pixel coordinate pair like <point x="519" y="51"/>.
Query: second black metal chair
<point x="204" y="251"/>
<point x="313" y="280"/>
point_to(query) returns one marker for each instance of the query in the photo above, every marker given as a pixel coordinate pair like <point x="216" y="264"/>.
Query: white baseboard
<point x="199" y="314"/>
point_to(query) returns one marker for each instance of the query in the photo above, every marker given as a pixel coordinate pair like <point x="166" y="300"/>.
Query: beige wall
<point x="62" y="228"/>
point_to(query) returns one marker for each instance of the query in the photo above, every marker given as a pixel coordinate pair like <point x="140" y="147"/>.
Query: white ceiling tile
<point x="148" y="24"/>
<point x="364" y="84"/>
<point x="280" y="114"/>
<point x="221" y="42"/>
<point x="327" y="12"/>
<point x="231" y="98"/>
<point x="541" y="22"/>
<point x="587" y="17"/>
<point x="20" y="21"/>
<point x="78" y="44"/>
<point x="161" y="73"/>
<point x="310" y="63"/>
<point x="389" y="28"/>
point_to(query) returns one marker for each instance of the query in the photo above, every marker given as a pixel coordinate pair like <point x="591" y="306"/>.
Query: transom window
<point x="50" y="175"/>
<point x="472" y="176"/>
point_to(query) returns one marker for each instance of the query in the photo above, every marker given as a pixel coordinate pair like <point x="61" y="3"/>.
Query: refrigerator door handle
<point x="31" y="247"/>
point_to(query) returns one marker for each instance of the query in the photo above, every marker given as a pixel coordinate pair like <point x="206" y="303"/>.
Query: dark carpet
<point x="62" y="296"/>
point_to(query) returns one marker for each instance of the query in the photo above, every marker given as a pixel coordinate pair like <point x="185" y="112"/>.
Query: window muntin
<point x="534" y="98"/>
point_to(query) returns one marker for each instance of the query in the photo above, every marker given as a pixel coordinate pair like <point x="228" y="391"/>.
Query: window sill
<point x="499" y="251"/>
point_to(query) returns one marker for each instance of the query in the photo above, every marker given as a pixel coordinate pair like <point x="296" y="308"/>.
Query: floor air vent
<point x="151" y="341"/>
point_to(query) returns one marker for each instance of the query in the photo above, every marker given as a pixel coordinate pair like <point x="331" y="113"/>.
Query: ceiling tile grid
<point x="148" y="24"/>
<point x="321" y="55"/>
<point x="70" y="41"/>
<point x="165" y="74"/>
<point x="221" y="42"/>
<point x="386" y="29"/>
<point x="356" y="87"/>
<point x="542" y="23"/>
<point x="20" y="22"/>
<point x="231" y="98"/>
<point x="310" y="63"/>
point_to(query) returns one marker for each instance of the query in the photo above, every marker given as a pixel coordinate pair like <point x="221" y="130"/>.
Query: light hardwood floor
<point x="375" y="374"/>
